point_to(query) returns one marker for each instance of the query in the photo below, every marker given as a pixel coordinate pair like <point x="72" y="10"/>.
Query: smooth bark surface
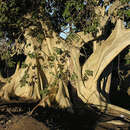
<point x="94" y="90"/>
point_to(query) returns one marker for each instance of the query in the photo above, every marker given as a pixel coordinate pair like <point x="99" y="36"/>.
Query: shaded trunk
<point x="54" y="63"/>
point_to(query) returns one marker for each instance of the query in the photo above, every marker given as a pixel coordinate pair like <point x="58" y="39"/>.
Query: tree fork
<point x="100" y="59"/>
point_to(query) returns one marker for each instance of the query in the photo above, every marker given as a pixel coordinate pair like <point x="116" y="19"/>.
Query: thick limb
<point x="99" y="60"/>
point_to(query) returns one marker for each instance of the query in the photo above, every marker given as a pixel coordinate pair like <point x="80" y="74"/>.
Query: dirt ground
<point x="16" y="117"/>
<point x="56" y="119"/>
<point x="23" y="123"/>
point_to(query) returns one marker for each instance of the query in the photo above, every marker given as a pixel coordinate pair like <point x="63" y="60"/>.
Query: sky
<point x="65" y="32"/>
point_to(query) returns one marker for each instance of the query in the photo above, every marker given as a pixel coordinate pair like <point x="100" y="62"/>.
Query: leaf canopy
<point x="80" y="15"/>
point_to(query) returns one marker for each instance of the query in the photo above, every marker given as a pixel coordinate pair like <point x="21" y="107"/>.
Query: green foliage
<point x="127" y="57"/>
<point x="1" y="34"/>
<point x="38" y="33"/>
<point x="24" y="81"/>
<point x="54" y="83"/>
<point x="72" y="37"/>
<point x="73" y="76"/>
<point x="44" y="92"/>
<point x="11" y="63"/>
<point x="127" y="13"/>
<point x="77" y="13"/>
<point x="128" y="61"/>
<point x="124" y="13"/>
<point x="51" y="64"/>
<point x="12" y="16"/>
<point x="52" y="73"/>
<point x="32" y="55"/>
<point x="5" y="56"/>
<point x="24" y="65"/>
<point x="124" y="1"/>
<point x="87" y="74"/>
<point x="51" y="58"/>
<point x="58" y="51"/>
<point x="81" y="15"/>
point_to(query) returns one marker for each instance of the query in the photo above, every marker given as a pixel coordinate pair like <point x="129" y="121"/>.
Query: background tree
<point x="44" y="66"/>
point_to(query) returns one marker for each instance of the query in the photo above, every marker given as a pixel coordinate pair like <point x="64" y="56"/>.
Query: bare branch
<point x="86" y="38"/>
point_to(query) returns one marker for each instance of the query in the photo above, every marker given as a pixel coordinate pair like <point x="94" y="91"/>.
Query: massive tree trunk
<point x="54" y="63"/>
<point x="101" y="58"/>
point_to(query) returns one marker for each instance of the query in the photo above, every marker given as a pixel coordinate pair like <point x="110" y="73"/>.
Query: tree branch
<point x="104" y="54"/>
<point x="115" y="6"/>
<point x="117" y="41"/>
